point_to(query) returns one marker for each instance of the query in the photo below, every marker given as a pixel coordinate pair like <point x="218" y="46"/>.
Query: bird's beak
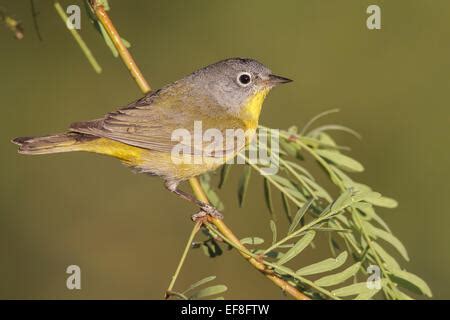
<point x="275" y="80"/>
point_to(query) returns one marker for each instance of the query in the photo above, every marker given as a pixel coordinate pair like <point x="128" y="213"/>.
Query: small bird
<point x="225" y="95"/>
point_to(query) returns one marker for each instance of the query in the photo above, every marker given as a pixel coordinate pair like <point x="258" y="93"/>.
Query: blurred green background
<point x="124" y="230"/>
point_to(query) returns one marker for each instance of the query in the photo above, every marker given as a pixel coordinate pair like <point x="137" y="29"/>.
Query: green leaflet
<point x="211" y="249"/>
<point x="402" y="295"/>
<point x="299" y="215"/>
<point x="333" y="245"/>
<point x="293" y="129"/>
<point x="337" y="278"/>
<point x="324" y="265"/>
<point x="298" y="247"/>
<point x="375" y="198"/>
<point x="271" y="254"/>
<point x="109" y="42"/>
<point x="299" y="168"/>
<point x="359" y="288"/>
<point x="390" y="262"/>
<point x="343" y="161"/>
<point x="384" y="202"/>
<point x="366" y="295"/>
<point x="268" y="196"/>
<point x="210" y="291"/>
<point x="273" y="228"/>
<point x="224" y="172"/>
<point x="199" y="283"/>
<point x="205" y="181"/>
<point x="320" y="130"/>
<point x="361" y="187"/>
<point x="286" y="207"/>
<point x="295" y="193"/>
<point x="290" y="148"/>
<point x="411" y="279"/>
<point x="288" y="187"/>
<point x="326" y="139"/>
<point x="368" y="210"/>
<point x="331" y="229"/>
<point x="388" y="237"/>
<point x="321" y="192"/>
<point x="348" y="182"/>
<point x="243" y="184"/>
<point x="364" y="195"/>
<point x="283" y="181"/>
<point x="206" y="250"/>
<point x="252" y="241"/>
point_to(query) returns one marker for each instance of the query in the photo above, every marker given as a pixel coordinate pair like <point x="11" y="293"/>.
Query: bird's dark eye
<point x="244" y="79"/>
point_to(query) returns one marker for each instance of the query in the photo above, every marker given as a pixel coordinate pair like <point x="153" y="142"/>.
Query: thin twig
<point x="34" y="14"/>
<point x="198" y="190"/>
<point x="195" y="185"/>
<point x="104" y="19"/>
<point x="87" y="52"/>
<point x="183" y="258"/>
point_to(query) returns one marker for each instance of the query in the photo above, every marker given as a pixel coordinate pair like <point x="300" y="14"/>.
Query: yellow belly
<point x="150" y="161"/>
<point x="115" y="149"/>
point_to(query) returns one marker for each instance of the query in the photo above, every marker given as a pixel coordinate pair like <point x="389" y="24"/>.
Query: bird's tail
<point x="64" y="142"/>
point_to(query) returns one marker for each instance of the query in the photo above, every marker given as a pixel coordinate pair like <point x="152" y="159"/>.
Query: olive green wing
<point x="161" y="121"/>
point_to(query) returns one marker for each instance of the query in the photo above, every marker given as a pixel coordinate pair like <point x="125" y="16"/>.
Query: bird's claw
<point x="206" y="210"/>
<point x="201" y="215"/>
<point x="213" y="212"/>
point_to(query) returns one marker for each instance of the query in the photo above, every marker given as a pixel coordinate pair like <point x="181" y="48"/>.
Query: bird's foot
<point x="201" y="215"/>
<point x="213" y="212"/>
<point x="206" y="210"/>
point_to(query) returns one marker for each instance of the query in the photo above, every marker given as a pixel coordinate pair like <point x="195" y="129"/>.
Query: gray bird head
<point x="232" y="82"/>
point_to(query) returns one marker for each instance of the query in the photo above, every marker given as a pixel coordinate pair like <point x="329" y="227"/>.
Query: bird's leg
<point x="206" y="208"/>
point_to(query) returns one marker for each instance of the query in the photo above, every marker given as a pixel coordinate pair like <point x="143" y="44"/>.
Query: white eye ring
<point x="244" y="79"/>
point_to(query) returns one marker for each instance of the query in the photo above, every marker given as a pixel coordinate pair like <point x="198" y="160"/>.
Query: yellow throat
<point x="252" y="109"/>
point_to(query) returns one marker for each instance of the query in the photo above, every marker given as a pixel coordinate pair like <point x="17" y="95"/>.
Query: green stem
<point x="87" y="52"/>
<point x="183" y="258"/>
